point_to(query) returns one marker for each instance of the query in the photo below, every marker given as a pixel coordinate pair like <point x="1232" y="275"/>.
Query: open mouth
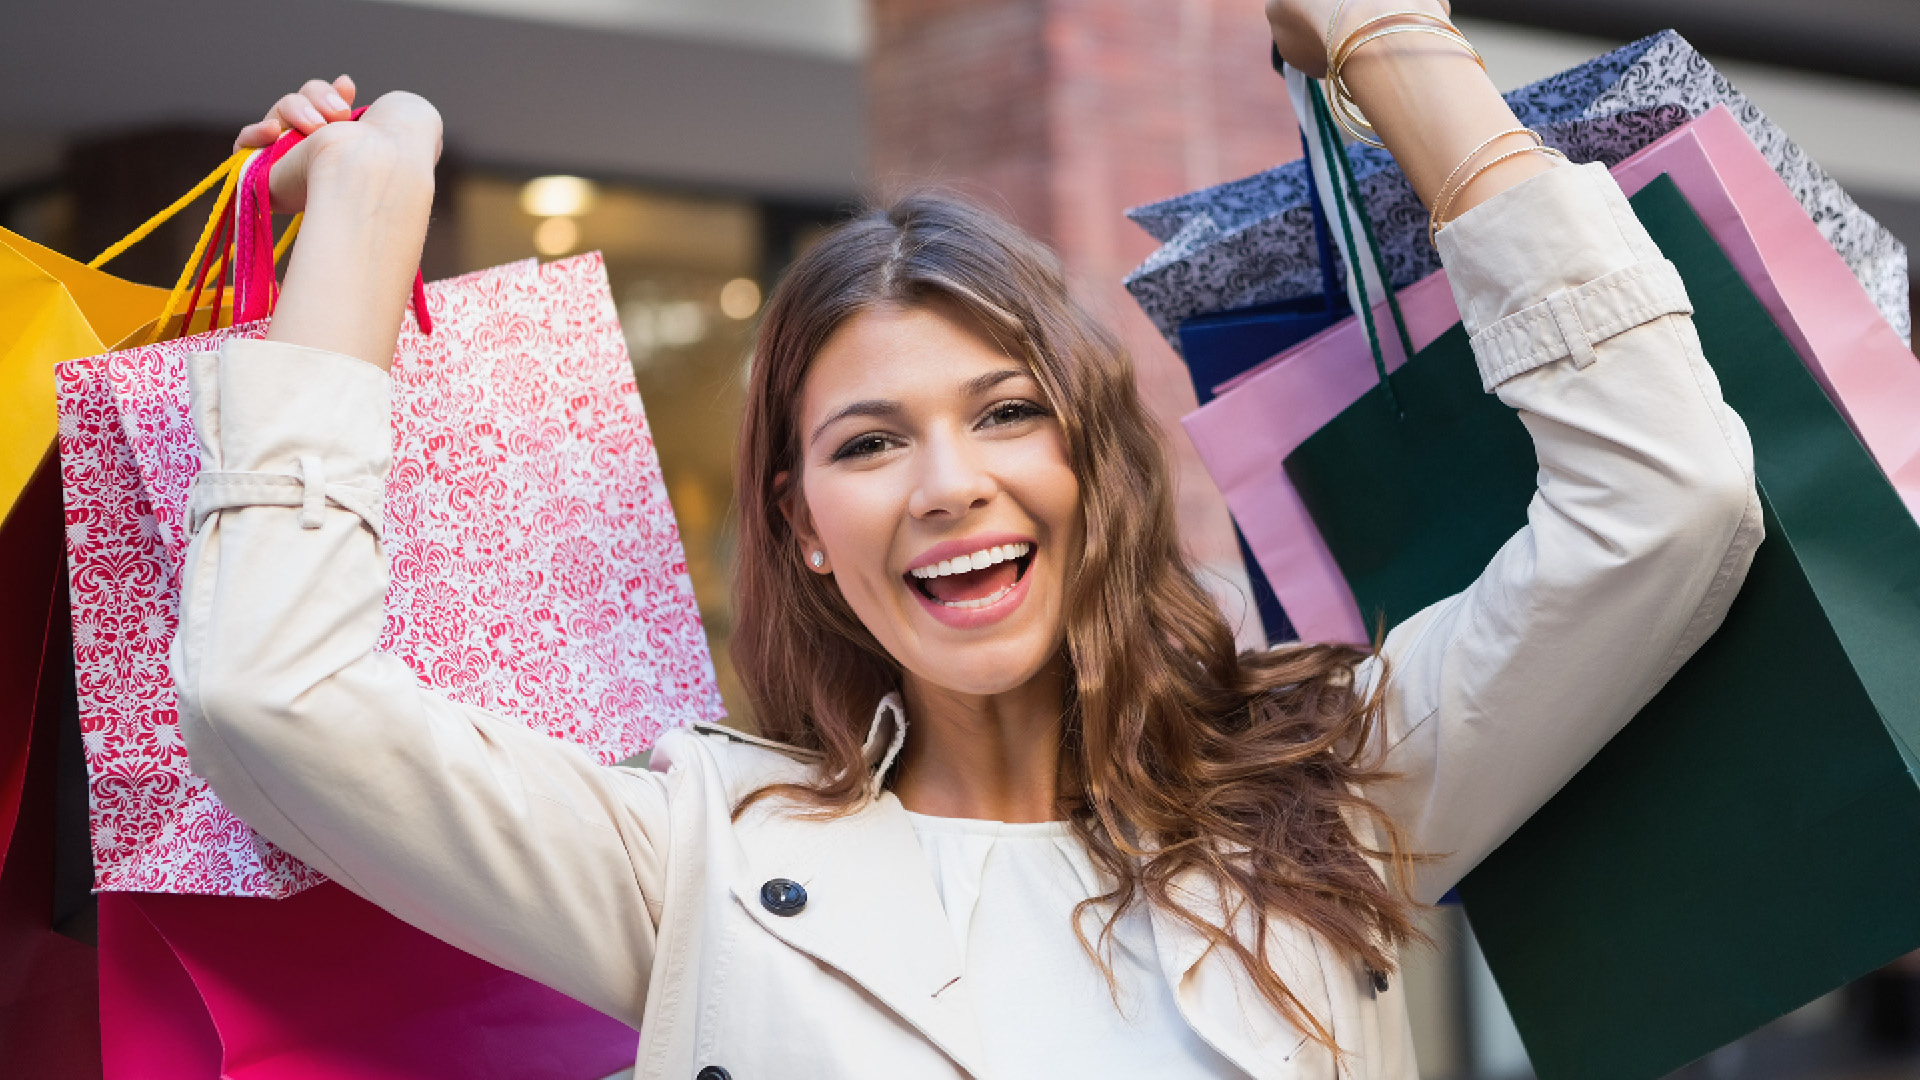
<point x="973" y="581"/>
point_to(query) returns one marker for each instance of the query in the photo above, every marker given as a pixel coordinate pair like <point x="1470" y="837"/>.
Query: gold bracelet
<point x="1474" y="153"/>
<point x="1344" y="110"/>
<point x="1435" y="224"/>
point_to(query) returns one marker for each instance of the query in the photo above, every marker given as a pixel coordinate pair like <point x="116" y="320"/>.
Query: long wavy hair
<point x="1180" y="758"/>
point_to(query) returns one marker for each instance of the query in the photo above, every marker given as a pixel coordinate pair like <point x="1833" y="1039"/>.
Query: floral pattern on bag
<point x="535" y="566"/>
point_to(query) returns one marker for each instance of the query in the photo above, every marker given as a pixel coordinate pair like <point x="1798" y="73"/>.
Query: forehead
<point x="900" y="353"/>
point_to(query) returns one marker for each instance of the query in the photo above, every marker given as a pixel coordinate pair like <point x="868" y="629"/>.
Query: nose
<point x="952" y="478"/>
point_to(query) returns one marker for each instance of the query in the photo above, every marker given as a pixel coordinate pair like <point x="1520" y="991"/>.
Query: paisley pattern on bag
<point x="535" y="566"/>
<point x="1250" y="241"/>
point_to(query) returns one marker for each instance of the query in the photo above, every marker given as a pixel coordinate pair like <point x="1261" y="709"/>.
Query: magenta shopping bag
<point x="324" y="986"/>
<point x="1244" y="434"/>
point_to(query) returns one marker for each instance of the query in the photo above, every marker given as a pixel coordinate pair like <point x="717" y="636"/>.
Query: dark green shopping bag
<point x="1752" y="840"/>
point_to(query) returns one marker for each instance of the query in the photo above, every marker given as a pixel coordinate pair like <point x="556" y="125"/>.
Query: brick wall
<point x="1063" y="113"/>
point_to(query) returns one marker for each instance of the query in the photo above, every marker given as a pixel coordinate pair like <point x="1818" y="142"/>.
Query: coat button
<point x="1380" y="983"/>
<point x="713" y="1072"/>
<point x="783" y="897"/>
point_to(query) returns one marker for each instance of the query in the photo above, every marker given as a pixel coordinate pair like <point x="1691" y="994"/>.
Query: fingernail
<point x="335" y="101"/>
<point x="310" y="114"/>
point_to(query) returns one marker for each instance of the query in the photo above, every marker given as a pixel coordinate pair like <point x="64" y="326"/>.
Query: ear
<point x="793" y="506"/>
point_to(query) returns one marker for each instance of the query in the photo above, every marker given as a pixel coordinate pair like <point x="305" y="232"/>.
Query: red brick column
<point x="1063" y="113"/>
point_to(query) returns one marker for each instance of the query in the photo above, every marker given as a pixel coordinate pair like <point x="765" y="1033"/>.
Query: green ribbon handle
<point x="1350" y="207"/>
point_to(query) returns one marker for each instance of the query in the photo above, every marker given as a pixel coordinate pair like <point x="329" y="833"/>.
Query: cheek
<point x="855" y="516"/>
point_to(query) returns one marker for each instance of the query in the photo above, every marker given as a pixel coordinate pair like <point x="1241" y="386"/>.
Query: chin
<point x="986" y="669"/>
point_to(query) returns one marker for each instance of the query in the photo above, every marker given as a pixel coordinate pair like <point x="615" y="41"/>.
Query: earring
<point x="818" y="559"/>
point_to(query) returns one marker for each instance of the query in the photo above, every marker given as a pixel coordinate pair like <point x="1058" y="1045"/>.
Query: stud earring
<point x="818" y="559"/>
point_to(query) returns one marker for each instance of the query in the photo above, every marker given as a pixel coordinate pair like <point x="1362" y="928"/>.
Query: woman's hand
<point x="316" y="111"/>
<point x="1301" y="28"/>
<point x="366" y="188"/>
<point x="1428" y="98"/>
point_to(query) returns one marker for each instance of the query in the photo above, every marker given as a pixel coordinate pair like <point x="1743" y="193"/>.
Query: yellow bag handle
<point x="227" y="175"/>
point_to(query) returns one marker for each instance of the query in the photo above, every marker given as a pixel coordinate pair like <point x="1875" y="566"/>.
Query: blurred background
<point x="701" y="144"/>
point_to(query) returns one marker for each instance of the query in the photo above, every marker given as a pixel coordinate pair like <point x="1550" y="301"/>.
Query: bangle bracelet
<point x="1344" y="111"/>
<point x="1435" y="224"/>
<point x="1445" y="185"/>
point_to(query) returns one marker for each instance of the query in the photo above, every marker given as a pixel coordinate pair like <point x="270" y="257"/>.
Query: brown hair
<point x="1179" y="756"/>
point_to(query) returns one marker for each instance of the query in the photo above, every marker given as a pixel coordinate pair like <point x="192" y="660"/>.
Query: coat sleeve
<point x="516" y="847"/>
<point x="1640" y="534"/>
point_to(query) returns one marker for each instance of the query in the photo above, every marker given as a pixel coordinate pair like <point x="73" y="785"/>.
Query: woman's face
<point x="936" y="484"/>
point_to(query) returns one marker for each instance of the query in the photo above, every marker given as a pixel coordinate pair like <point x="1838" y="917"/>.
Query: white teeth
<point x="979" y="560"/>
<point x="980" y="603"/>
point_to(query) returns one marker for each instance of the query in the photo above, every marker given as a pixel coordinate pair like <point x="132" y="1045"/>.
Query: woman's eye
<point x="1012" y="412"/>
<point x="862" y="446"/>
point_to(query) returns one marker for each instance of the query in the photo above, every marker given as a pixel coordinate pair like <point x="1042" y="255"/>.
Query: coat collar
<point x="872" y="912"/>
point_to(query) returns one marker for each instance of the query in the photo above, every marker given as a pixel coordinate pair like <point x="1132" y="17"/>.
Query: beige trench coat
<point x="635" y="890"/>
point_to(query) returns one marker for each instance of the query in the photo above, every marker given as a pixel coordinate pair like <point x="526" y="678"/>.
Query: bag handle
<point x="242" y="206"/>
<point x="255" y="291"/>
<point x="1332" y="176"/>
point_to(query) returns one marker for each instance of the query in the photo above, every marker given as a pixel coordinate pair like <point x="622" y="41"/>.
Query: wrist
<point x="372" y="167"/>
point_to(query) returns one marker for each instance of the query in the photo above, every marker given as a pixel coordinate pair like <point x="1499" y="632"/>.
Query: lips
<point x="976" y="580"/>
<point x="972" y="583"/>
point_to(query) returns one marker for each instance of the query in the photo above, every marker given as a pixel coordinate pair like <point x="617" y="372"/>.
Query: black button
<point x="783" y="897"/>
<point x="1380" y="983"/>
<point x="713" y="1072"/>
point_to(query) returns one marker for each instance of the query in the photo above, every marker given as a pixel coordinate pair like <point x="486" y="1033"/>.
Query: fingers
<point x="317" y="104"/>
<point x="326" y="101"/>
<point x="260" y="134"/>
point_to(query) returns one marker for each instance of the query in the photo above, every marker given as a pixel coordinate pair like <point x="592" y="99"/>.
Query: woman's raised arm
<point x="1646" y="517"/>
<point x="514" y="846"/>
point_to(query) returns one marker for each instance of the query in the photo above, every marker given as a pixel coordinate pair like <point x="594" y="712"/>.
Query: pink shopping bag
<point x="1244" y="434"/>
<point x="324" y="986"/>
<point x="536" y="567"/>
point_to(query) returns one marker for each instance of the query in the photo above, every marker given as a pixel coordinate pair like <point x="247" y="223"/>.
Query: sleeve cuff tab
<point x="1569" y="323"/>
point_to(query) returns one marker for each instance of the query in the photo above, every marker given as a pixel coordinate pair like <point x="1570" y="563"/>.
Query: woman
<point x="1022" y="811"/>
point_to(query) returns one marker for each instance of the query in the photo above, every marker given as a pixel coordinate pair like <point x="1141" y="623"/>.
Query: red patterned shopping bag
<point x="536" y="567"/>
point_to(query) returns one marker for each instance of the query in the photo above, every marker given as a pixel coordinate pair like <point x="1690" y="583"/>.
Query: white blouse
<point x="1044" y="1009"/>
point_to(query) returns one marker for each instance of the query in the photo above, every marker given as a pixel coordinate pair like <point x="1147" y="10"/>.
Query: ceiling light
<point x="557" y="196"/>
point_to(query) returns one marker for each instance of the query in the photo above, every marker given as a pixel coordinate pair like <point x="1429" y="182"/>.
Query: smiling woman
<point x="1106" y="844"/>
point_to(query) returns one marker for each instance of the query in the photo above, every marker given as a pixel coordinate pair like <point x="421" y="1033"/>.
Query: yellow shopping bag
<point x="53" y="308"/>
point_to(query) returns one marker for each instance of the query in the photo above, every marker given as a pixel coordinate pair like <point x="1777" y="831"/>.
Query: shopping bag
<point x="49" y="1004"/>
<point x="1752" y="831"/>
<point x="51" y="309"/>
<point x="1858" y="359"/>
<point x="1250" y="241"/>
<point x="320" y="986"/>
<point x="1261" y="416"/>
<point x="536" y="569"/>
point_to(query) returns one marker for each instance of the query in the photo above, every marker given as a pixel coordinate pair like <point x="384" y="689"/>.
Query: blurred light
<point x="556" y="236"/>
<point x="739" y="298"/>
<point x="680" y="323"/>
<point x="557" y="196"/>
<point x="653" y="325"/>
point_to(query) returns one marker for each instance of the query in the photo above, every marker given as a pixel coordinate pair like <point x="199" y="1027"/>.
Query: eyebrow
<point x="973" y="387"/>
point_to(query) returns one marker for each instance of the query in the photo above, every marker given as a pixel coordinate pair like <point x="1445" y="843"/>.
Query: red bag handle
<point x="254" y="289"/>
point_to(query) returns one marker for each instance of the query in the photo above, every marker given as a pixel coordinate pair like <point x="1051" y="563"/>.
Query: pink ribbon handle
<point x="254" y="288"/>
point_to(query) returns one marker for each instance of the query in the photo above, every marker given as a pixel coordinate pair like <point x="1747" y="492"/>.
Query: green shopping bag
<point x="1752" y="840"/>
